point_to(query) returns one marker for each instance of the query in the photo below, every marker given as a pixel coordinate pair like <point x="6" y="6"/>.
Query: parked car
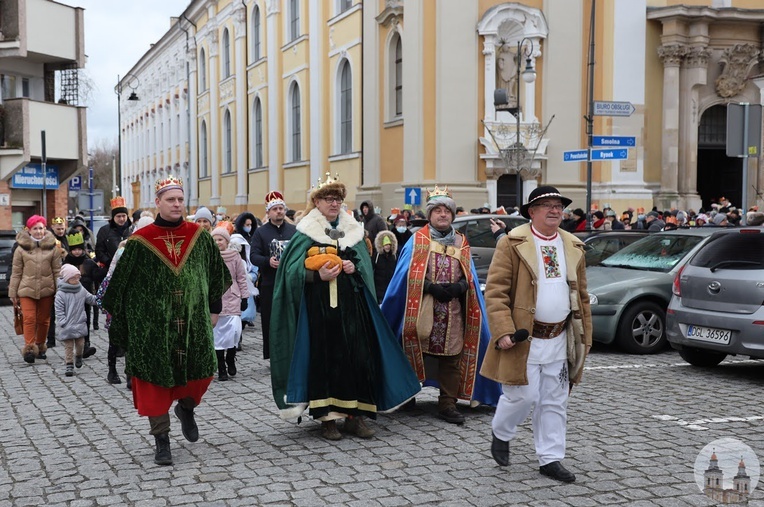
<point x="602" y="244"/>
<point x="717" y="306"/>
<point x="477" y="228"/>
<point x="7" y="239"/>
<point x="630" y="291"/>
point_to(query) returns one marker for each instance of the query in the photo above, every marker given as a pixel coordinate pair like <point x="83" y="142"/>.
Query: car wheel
<point x="642" y="329"/>
<point x="700" y="357"/>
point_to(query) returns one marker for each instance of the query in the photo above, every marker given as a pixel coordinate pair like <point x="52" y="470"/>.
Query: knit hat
<point x="118" y="205"/>
<point x="719" y="218"/>
<point x="653" y="214"/>
<point x="274" y="198"/>
<point x="143" y="222"/>
<point x="400" y="217"/>
<point x="221" y="231"/>
<point x="68" y="272"/>
<point x="610" y="213"/>
<point x="703" y="217"/>
<point x="579" y="212"/>
<point x="36" y="219"/>
<point x="203" y="212"/>
<point x="228" y="226"/>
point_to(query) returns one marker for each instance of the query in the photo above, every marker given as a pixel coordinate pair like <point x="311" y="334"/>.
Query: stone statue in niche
<point x="738" y="62"/>
<point x="506" y="74"/>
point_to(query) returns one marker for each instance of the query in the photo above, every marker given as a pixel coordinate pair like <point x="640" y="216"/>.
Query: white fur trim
<point x="314" y="225"/>
<point x="293" y="412"/>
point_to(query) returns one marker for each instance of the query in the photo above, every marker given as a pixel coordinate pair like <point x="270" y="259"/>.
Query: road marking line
<point x="698" y="423"/>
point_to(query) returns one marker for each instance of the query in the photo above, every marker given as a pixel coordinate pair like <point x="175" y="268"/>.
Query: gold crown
<point x="118" y="202"/>
<point x="75" y="239"/>
<point x="167" y="184"/>
<point x="57" y="220"/>
<point x="438" y="192"/>
<point x="329" y="180"/>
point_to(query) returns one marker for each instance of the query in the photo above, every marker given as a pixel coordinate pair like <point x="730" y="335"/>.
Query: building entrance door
<point x="718" y="174"/>
<point x="506" y="191"/>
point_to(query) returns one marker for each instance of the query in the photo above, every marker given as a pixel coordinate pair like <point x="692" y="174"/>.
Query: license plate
<point x="709" y="334"/>
<point x="2" y="276"/>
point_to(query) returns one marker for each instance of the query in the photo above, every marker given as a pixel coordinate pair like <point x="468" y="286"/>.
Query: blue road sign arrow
<point x="413" y="196"/>
<point x="621" y="154"/>
<point x="575" y="156"/>
<point x="614" y="141"/>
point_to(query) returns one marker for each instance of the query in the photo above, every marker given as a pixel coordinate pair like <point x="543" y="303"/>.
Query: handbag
<point x="18" y="319"/>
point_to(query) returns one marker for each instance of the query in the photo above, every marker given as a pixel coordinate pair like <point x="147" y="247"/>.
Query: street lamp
<point x="524" y="49"/>
<point x="131" y="79"/>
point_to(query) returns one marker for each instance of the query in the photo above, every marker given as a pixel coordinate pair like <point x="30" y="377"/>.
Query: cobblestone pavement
<point x="636" y="426"/>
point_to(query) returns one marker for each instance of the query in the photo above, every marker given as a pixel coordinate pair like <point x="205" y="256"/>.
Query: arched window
<point x="202" y="71"/>
<point x="227" y="142"/>
<point x="346" y="108"/>
<point x="226" y="54"/>
<point x="258" y="133"/>
<point x="294" y="124"/>
<point x="294" y="19"/>
<point x="203" y="172"/>
<point x="255" y="33"/>
<point x="398" y="76"/>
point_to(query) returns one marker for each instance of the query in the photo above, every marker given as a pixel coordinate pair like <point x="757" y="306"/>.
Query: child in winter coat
<point x="71" y="298"/>
<point x="384" y="261"/>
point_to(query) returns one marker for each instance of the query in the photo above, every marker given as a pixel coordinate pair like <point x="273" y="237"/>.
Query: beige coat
<point x="35" y="267"/>
<point x="510" y="298"/>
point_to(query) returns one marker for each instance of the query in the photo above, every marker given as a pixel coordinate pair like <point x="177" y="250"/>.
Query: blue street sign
<point x="575" y="156"/>
<point x="413" y="196"/>
<point x="75" y="183"/>
<point x="614" y="141"/>
<point x="30" y="176"/>
<point x="621" y="154"/>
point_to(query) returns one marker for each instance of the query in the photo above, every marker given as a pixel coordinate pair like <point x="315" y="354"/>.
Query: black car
<point x="482" y="243"/>
<point x="7" y="239"/>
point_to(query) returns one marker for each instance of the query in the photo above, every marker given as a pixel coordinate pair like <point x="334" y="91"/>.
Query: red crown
<point x="273" y="196"/>
<point x="118" y="202"/>
<point x="168" y="183"/>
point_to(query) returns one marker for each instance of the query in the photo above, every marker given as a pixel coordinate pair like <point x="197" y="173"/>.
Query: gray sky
<point x="117" y="34"/>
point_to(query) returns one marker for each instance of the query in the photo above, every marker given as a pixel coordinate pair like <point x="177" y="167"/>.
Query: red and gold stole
<point x="414" y="292"/>
<point x="171" y="244"/>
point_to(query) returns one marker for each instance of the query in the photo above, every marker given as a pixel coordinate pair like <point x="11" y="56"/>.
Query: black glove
<point x="440" y="291"/>
<point x="244" y="304"/>
<point x="457" y="289"/>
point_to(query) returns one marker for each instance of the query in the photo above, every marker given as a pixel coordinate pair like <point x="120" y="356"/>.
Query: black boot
<point x="111" y="357"/>
<point x="230" y="360"/>
<point x="222" y="372"/>
<point x="163" y="456"/>
<point x="129" y="381"/>
<point x="88" y="350"/>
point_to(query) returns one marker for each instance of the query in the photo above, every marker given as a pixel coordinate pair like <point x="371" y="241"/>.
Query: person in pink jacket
<point x="228" y="329"/>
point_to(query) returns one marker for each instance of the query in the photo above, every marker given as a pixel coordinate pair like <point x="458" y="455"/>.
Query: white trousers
<point x="547" y="395"/>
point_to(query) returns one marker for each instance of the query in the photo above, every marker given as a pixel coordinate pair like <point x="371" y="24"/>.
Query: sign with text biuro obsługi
<point x="30" y="176"/>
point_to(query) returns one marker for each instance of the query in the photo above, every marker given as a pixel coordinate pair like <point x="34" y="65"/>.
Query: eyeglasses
<point x="549" y="206"/>
<point x="331" y="200"/>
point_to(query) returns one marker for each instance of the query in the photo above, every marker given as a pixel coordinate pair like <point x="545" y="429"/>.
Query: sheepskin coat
<point x="35" y="267"/>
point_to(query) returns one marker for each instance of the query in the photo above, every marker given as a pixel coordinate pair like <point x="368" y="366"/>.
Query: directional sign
<point x="575" y="156"/>
<point x="413" y="196"/>
<point x="621" y="154"/>
<point x="75" y="183"/>
<point x="613" y="108"/>
<point x="614" y="141"/>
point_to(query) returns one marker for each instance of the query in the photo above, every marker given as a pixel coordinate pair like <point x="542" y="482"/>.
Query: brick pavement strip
<point x="78" y="442"/>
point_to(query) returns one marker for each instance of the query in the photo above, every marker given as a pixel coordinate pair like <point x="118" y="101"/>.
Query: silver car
<point x="630" y="290"/>
<point x="717" y="306"/>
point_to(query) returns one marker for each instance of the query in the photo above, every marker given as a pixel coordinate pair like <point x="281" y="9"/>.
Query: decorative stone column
<point x="672" y="56"/>
<point x="214" y="129"/>
<point x="193" y="159"/>
<point x="274" y="126"/>
<point x="242" y="164"/>
<point x="694" y="74"/>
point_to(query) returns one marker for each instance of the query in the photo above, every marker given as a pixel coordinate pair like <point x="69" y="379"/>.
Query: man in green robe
<point x="164" y="297"/>
<point x="331" y="349"/>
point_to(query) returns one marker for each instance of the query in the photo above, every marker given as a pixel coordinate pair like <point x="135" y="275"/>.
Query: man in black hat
<point x="541" y="328"/>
